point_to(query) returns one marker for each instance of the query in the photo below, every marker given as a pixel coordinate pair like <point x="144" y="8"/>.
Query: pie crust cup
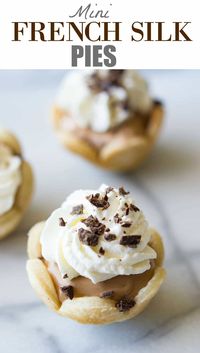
<point x="10" y="220"/>
<point x="120" y="153"/>
<point x="88" y="310"/>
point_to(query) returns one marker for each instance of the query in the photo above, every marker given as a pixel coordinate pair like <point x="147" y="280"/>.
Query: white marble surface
<point x="166" y="186"/>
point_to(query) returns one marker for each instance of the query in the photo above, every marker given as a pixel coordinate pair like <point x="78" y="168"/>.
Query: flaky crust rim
<point x="118" y="154"/>
<point x="10" y="220"/>
<point x="87" y="310"/>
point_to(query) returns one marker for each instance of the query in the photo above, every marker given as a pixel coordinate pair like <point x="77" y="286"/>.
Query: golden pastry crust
<point x="88" y="310"/>
<point x="119" y="153"/>
<point x="10" y="220"/>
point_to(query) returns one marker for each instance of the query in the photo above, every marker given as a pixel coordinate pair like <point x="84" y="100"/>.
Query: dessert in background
<point x="16" y="183"/>
<point x="95" y="259"/>
<point x="108" y="117"/>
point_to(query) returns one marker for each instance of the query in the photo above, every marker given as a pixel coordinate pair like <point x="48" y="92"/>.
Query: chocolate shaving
<point x="87" y="237"/>
<point x="123" y="192"/>
<point x="117" y="219"/>
<point x="126" y="224"/>
<point x="101" y="251"/>
<point x="65" y="275"/>
<point x="110" y="237"/>
<point x="77" y="210"/>
<point x="62" y="223"/>
<point x="109" y="189"/>
<point x="129" y="208"/>
<point x="134" y="208"/>
<point x="106" y="197"/>
<point x="107" y="294"/>
<point x="125" y="304"/>
<point x="91" y="221"/>
<point x="68" y="291"/>
<point x="94" y="225"/>
<point x="97" y="83"/>
<point x="127" y="211"/>
<point x="130" y="240"/>
<point x="99" y="202"/>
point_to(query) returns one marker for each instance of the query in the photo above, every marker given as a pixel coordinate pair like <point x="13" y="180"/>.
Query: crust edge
<point x="87" y="310"/>
<point x="116" y="155"/>
<point x="10" y="220"/>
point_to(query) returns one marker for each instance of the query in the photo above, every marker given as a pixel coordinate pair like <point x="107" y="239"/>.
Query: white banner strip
<point x="144" y="34"/>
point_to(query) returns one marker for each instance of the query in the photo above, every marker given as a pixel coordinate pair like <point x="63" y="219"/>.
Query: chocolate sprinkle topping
<point x="126" y="224"/>
<point x="123" y="192"/>
<point x="65" y="275"/>
<point x="109" y="189"/>
<point x="62" y="223"/>
<point x="77" y="210"/>
<point x="130" y="240"/>
<point x="127" y="211"/>
<point x="117" y="219"/>
<point x="94" y="225"/>
<point x="87" y="237"/>
<point x="134" y="208"/>
<point x="68" y="291"/>
<point x="129" y="208"/>
<point x="106" y="197"/>
<point x="97" y="83"/>
<point x="101" y="251"/>
<point x="125" y="304"/>
<point x="107" y="294"/>
<point x="110" y="237"/>
<point x="99" y="202"/>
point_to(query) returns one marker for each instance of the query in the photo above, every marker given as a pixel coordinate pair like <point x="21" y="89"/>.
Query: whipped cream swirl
<point x="103" y="99"/>
<point x="98" y="235"/>
<point x="10" y="178"/>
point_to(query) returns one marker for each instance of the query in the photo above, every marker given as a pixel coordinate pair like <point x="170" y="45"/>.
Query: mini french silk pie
<point x="108" y="117"/>
<point x="95" y="259"/>
<point x="16" y="183"/>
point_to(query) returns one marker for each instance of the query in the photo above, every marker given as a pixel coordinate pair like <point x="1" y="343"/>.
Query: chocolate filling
<point x="136" y="125"/>
<point x="120" y="286"/>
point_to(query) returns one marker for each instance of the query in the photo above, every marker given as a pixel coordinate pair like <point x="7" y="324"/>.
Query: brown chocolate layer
<point x="134" y="126"/>
<point x="120" y="286"/>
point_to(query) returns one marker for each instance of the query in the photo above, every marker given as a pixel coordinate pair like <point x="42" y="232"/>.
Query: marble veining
<point x="166" y="186"/>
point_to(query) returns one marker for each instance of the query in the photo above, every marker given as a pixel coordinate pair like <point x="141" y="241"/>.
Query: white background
<point x="57" y="55"/>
